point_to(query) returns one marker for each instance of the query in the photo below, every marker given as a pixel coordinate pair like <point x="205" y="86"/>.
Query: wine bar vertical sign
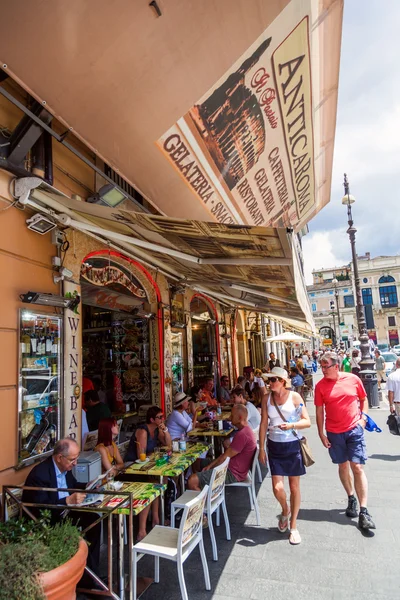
<point x="73" y="366"/>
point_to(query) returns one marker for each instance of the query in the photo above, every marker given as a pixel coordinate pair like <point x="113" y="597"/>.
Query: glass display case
<point x="39" y="387"/>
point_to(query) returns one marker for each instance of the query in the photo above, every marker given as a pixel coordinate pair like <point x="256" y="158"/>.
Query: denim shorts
<point x="349" y="445"/>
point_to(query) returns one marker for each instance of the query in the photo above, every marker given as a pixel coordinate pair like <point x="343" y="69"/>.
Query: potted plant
<point x="40" y="561"/>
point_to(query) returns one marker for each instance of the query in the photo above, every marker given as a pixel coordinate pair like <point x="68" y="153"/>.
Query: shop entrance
<point x="205" y="356"/>
<point x="116" y="335"/>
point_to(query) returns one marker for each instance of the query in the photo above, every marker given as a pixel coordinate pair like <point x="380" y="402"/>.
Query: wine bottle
<point x="34" y="344"/>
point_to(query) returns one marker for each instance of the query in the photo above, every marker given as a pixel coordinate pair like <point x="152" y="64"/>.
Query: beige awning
<point x="251" y="267"/>
<point x="216" y="110"/>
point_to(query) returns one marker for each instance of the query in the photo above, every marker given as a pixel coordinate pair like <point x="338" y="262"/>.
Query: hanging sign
<point x="104" y="273"/>
<point x="72" y="367"/>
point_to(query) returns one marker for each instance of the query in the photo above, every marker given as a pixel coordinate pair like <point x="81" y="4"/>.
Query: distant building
<point x="379" y="282"/>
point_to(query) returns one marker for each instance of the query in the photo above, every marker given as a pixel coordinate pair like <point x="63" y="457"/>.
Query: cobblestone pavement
<point x="334" y="561"/>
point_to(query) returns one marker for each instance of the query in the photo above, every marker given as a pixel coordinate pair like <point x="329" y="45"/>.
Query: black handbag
<point x="393" y="423"/>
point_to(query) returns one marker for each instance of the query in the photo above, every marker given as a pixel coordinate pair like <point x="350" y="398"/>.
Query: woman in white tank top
<point x="286" y="414"/>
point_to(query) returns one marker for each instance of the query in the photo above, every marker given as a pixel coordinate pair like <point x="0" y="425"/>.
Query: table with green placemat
<point x="175" y="467"/>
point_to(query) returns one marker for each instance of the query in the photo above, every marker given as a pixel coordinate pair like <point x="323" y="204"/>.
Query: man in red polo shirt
<point x="339" y="399"/>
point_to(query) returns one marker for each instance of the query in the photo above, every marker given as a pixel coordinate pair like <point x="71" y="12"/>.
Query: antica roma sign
<point x="246" y="148"/>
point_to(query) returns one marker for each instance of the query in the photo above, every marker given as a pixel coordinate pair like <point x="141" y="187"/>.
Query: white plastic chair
<point x="256" y="432"/>
<point x="215" y="500"/>
<point x="249" y="483"/>
<point x="176" y="544"/>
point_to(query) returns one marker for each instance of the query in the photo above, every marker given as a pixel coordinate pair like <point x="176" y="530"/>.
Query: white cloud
<point x="367" y="144"/>
<point x="324" y="250"/>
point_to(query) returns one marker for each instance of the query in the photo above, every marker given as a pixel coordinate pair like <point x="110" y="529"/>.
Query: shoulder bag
<point x="305" y="449"/>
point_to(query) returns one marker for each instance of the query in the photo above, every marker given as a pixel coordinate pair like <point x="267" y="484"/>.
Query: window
<point x="345" y="291"/>
<point x="313" y="307"/>
<point x="367" y="296"/>
<point x="348" y="301"/>
<point x="388" y="295"/>
<point x="392" y="321"/>
<point x="386" y="279"/>
<point x="365" y="280"/>
<point x="330" y="291"/>
<point x="312" y="294"/>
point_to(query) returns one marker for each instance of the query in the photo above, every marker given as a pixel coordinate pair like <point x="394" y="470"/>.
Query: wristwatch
<point x="364" y="417"/>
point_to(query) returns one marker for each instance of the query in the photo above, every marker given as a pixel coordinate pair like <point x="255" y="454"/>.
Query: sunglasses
<point x="275" y="379"/>
<point x="159" y="416"/>
<point x="327" y="366"/>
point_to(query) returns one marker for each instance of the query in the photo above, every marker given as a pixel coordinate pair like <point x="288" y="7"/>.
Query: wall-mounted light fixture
<point x="40" y="224"/>
<point x="108" y="195"/>
<point x="50" y="300"/>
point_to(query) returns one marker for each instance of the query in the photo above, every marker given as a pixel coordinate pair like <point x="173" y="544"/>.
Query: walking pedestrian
<point x="286" y="414"/>
<point x="380" y="368"/>
<point x="340" y="399"/>
<point x="355" y="362"/>
<point x="393" y="389"/>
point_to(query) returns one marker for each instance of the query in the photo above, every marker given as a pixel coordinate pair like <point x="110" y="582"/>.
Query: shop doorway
<point x="204" y="341"/>
<point x="116" y="334"/>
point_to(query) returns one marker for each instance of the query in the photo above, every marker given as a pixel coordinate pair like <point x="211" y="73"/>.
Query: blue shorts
<point x="349" y="445"/>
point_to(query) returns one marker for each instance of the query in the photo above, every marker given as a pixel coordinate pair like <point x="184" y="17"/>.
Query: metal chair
<point x="175" y="544"/>
<point x="249" y="483"/>
<point x="215" y="501"/>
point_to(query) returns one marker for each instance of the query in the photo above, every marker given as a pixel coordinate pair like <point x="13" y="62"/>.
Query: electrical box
<point x="57" y="237"/>
<point x="88" y="466"/>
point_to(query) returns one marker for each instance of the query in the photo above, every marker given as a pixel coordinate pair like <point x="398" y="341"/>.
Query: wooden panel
<point x="8" y="359"/>
<point x="21" y="277"/>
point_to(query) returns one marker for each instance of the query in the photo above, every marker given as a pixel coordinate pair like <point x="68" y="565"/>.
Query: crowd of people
<point x="267" y="409"/>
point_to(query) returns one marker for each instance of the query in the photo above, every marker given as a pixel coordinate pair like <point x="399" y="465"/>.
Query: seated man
<point x="55" y="472"/>
<point x="241" y="453"/>
<point x="253" y="415"/>
<point x="223" y="391"/>
<point x="207" y="392"/>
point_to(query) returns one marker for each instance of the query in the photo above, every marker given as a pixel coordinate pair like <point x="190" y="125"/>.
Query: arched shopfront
<point x="122" y="322"/>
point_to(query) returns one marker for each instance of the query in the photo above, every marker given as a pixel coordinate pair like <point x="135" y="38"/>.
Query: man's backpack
<point x="394" y="424"/>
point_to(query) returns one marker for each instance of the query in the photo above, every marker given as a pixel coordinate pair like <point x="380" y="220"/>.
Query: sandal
<point x="283" y="522"/>
<point x="294" y="537"/>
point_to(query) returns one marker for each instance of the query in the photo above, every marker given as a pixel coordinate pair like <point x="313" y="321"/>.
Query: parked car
<point x="390" y="362"/>
<point x="383" y="347"/>
<point x="396" y="349"/>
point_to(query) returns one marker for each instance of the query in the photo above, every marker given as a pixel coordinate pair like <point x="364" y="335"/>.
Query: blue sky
<point x="367" y="145"/>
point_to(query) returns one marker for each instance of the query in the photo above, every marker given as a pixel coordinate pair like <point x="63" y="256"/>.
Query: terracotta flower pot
<point x="60" y="583"/>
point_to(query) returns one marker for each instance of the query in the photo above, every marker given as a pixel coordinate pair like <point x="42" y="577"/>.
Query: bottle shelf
<point x="42" y="407"/>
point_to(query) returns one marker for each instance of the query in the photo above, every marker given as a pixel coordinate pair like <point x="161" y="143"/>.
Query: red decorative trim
<point x="214" y="310"/>
<point x="159" y="311"/>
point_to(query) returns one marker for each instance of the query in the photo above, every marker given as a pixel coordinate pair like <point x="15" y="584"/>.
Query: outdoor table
<point x="199" y="432"/>
<point x="138" y="494"/>
<point x="175" y="467"/>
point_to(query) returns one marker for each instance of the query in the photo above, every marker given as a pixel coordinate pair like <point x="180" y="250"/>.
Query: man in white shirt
<point x="253" y="416"/>
<point x="393" y="389"/>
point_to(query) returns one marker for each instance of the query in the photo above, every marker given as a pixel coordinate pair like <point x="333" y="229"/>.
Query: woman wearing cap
<point x="179" y="421"/>
<point x="284" y="453"/>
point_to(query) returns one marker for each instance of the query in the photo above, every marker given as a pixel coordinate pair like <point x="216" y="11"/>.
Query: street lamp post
<point x="367" y="364"/>
<point x="335" y="282"/>
<point x="334" y="341"/>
